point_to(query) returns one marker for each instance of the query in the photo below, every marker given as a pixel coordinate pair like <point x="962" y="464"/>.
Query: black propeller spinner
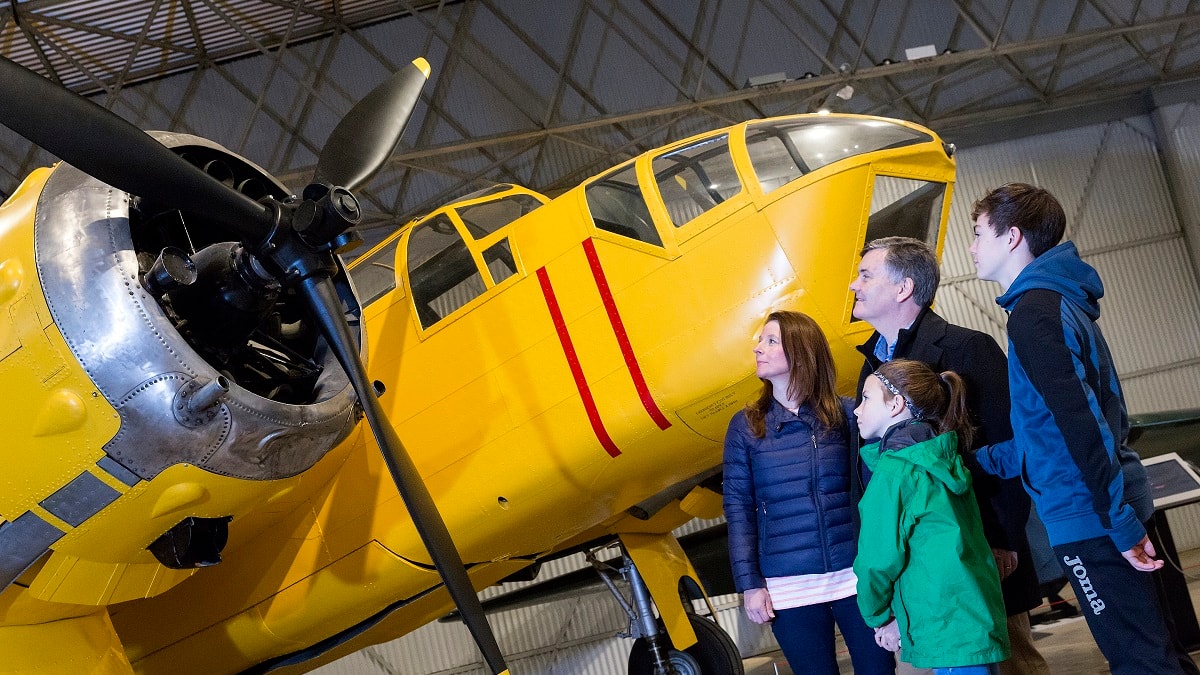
<point x="296" y="240"/>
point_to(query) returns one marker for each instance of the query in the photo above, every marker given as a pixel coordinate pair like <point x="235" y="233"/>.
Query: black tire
<point x="713" y="654"/>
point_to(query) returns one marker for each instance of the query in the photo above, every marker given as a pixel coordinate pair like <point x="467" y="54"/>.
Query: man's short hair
<point x="1032" y="210"/>
<point x="910" y="258"/>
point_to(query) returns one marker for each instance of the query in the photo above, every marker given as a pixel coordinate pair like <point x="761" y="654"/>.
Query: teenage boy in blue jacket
<point x="1069" y="426"/>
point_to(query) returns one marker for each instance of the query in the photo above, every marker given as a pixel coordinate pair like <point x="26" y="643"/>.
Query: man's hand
<point x="888" y="636"/>
<point x="1006" y="562"/>
<point x="757" y="602"/>
<point x="1141" y="556"/>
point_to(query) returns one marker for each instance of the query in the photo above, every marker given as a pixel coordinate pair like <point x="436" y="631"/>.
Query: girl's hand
<point x="888" y="636"/>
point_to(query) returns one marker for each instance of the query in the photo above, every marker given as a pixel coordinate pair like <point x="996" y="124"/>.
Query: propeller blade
<point x="319" y="292"/>
<point x="101" y="144"/>
<point x="368" y="134"/>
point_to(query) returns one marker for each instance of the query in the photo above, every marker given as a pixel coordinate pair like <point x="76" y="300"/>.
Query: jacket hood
<point x="915" y="443"/>
<point x="1060" y="270"/>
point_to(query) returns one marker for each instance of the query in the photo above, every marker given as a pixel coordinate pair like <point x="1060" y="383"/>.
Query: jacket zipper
<point x="762" y="527"/>
<point x="816" y="481"/>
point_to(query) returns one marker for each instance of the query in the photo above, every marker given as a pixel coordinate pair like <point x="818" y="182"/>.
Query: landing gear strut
<point x="714" y="653"/>
<point x="653" y="653"/>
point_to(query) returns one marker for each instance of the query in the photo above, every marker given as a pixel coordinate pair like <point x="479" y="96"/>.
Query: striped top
<point x="803" y="590"/>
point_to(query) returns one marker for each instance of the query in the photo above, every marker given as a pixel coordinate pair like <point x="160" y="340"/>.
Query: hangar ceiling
<point x="546" y="93"/>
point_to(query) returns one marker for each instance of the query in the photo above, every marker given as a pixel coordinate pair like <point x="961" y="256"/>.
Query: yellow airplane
<point x="188" y="487"/>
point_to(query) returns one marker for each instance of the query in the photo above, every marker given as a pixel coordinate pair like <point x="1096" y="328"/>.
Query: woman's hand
<point x="888" y="636"/>
<point x="757" y="602"/>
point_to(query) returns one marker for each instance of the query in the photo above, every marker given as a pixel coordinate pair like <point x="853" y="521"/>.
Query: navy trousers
<point x="805" y="634"/>
<point x="1121" y="608"/>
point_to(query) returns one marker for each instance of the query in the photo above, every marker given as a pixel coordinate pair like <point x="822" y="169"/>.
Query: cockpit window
<point x="784" y="151"/>
<point x="696" y="178"/>
<point x="376" y="275"/>
<point x="487" y="217"/>
<point x="441" y="272"/>
<point x="617" y="205"/>
<point x="905" y="207"/>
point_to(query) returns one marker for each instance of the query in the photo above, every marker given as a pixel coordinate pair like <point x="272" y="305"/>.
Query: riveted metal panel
<point x="80" y="499"/>
<point x="22" y="542"/>
<point x="143" y="377"/>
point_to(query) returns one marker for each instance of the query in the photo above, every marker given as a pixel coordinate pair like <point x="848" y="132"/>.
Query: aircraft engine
<point x="205" y="359"/>
<point x="203" y="333"/>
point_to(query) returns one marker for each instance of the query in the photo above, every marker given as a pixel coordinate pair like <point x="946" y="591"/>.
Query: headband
<point x="916" y="412"/>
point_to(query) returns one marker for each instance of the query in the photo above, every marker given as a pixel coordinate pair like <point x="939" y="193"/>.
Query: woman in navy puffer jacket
<point x="788" y="503"/>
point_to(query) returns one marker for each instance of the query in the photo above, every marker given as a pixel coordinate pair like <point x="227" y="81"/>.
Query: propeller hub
<point x="346" y="205"/>
<point x="326" y="212"/>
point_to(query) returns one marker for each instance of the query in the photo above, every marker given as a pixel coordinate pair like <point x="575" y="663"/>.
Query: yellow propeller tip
<point x="422" y="65"/>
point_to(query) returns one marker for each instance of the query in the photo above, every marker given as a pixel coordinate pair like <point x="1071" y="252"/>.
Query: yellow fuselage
<point x="599" y="375"/>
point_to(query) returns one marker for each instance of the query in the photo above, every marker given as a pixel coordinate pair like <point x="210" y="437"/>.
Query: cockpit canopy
<point x="461" y="251"/>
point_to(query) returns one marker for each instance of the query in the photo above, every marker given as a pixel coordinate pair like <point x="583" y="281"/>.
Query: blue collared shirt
<point x="883" y="351"/>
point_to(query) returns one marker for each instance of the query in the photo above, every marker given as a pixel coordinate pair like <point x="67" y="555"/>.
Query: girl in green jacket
<point x="927" y="581"/>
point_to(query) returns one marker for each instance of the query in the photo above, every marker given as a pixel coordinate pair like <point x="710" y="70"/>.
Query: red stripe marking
<point x="585" y="393"/>
<point x="614" y="317"/>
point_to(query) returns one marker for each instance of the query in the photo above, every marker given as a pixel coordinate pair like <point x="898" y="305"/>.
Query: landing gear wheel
<point x="713" y="654"/>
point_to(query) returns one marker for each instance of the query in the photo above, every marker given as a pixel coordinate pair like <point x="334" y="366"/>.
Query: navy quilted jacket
<point x="787" y="498"/>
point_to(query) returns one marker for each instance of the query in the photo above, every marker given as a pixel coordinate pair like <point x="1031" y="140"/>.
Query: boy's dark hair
<point x="1032" y="210"/>
<point x="910" y="258"/>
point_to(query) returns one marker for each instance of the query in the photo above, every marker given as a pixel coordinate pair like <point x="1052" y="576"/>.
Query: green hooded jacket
<point x="922" y="556"/>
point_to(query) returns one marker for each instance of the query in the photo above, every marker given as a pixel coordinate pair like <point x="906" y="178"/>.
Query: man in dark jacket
<point x="896" y="281"/>
<point x="1069" y="423"/>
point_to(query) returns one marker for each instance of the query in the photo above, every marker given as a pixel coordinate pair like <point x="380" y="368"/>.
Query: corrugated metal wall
<point x="1113" y="183"/>
<point x="1133" y="205"/>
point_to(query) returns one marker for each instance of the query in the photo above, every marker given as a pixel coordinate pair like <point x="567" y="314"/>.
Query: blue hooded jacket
<point x="1068" y="412"/>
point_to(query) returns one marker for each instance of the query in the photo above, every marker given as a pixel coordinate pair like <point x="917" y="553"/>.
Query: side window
<point x="499" y="260"/>
<point x="441" y="271"/>
<point x="904" y="207"/>
<point x="486" y="217"/>
<point x="617" y="206"/>
<point x="375" y="276"/>
<point x="776" y="160"/>
<point x="696" y="178"/>
<point x="482" y="220"/>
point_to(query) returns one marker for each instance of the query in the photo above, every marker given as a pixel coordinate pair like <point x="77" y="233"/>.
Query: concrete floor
<point x="1065" y="643"/>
